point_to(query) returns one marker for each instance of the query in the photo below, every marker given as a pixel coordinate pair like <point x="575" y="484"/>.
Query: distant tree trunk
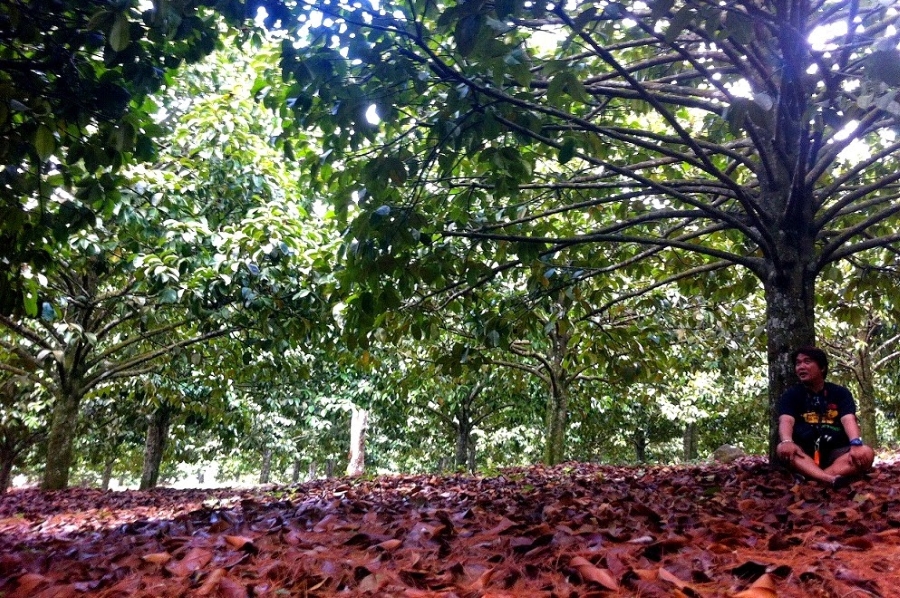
<point x="155" y="445"/>
<point x="690" y="441"/>
<point x="266" y="470"/>
<point x="639" y="441"/>
<point x="463" y="439"/>
<point x="295" y="473"/>
<point x="14" y="441"/>
<point x="358" y="422"/>
<point x="471" y="462"/>
<point x="107" y="473"/>
<point x="329" y="468"/>
<point x="60" y="441"/>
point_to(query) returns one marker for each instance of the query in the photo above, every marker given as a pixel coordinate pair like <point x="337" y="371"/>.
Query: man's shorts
<point x="826" y="459"/>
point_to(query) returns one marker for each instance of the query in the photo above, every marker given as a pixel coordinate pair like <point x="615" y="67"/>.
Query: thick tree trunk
<point x="358" y="422"/>
<point x="690" y="441"/>
<point x="265" y="471"/>
<point x="6" y="466"/>
<point x="557" y="425"/>
<point x="312" y="471"/>
<point x="329" y="468"/>
<point x="790" y="324"/>
<point x="61" y="441"/>
<point x="155" y="445"/>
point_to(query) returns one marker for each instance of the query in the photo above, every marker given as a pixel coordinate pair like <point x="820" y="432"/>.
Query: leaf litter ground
<point x="745" y="529"/>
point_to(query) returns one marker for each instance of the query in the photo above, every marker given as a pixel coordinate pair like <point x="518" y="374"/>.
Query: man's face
<point x="808" y="370"/>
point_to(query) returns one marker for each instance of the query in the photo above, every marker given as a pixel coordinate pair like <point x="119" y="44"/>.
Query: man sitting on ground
<point x="818" y="431"/>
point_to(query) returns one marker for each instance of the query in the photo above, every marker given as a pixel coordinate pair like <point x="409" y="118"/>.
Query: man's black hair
<point x="814" y="353"/>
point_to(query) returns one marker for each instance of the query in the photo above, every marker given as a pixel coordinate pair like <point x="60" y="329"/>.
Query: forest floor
<point x="744" y="529"/>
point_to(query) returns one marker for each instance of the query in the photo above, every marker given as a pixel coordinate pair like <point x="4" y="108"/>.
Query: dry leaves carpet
<point x="745" y="529"/>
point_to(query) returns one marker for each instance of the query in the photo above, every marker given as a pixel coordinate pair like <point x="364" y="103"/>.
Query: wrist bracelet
<point x="783" y="441"/>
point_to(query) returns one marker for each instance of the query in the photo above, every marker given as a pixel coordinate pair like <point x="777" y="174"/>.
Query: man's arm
<point x="851" y="426"/>
<point x="861" y="456"/>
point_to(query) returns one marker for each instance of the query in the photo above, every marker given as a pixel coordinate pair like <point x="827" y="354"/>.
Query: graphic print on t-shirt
<point x="827" y="417"/>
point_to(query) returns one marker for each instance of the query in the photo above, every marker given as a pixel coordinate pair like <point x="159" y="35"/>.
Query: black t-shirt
<point x="818" y="415"/>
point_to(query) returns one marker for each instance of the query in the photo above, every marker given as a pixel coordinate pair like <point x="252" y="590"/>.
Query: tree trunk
<point x="61" y="441"/>
<point x="639" y="441"/>
<point x="6" y="466"/>
<point x="266" y="470"/>
<point x="358" y="423"/>
<point x="690" y="441"/>
<point x="866" y="398"/>
<point x="790" y="324"/>
<point x="155" y="445"/>
<point x="107" y="473"/>
<point x="463" y="440"/>
<point x="15" y="439"/>
<point x="557" y="425"/>
<point x="558" y="404"/>
<point x="312" y="471"/>
<point x="295" y="472"/>
<point x="329" y="468"/>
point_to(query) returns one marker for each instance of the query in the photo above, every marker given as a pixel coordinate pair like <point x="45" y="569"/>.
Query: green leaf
<point x="567" y="151"/>
<point x="44" y="142"/>
<point x="119" y="37"/>
<point x="466" y="33"/>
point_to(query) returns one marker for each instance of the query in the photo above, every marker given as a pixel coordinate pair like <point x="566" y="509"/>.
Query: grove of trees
<point x="493" y="232"/>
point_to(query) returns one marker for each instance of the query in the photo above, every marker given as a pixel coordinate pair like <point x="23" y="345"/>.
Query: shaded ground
<point x="744" y="529"/>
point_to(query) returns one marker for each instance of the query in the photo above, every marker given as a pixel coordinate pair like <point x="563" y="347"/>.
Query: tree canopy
<point x="663" y="139"/>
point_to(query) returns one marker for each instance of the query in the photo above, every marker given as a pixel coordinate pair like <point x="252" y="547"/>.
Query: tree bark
<point x="557" y="425"/>
<point x="312" y="471"/>
<point x="464" y="446"/>
<point x="295" y="472"/>
<point x="690" y="441"/>
<point x="358" y="422"/>
<point x="61" y="441"/>
<point x="107" y="473"/>
<point x="6" y="466"/>
<point x="155" y="445"/>
<point x="557" y="418"/>
<point x="639" y="441"/>
<point x="265" y="471"/>
<point x="790" y="324"/>
<point x="865" y="379"/>
<point x="15" y="439"/>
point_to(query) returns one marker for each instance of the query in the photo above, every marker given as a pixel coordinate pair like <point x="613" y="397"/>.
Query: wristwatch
<point x="856" y="442"/>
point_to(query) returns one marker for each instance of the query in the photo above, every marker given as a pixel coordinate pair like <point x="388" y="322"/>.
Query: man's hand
<point x="861" y="457"/>
<point x="787" y="450"/>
